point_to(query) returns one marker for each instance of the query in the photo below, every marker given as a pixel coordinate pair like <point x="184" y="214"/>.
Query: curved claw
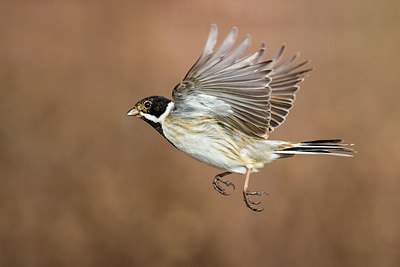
<point x="257" y="210"/>
<point x="257" y="193"/>
<point x="253" y="202"/>
<point x="218" y="187"/>
<point x="250" y="203"/>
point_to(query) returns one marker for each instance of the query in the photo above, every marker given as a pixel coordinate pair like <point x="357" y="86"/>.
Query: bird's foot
<point x="250" y="203"/>
<point x="217" y="186"/>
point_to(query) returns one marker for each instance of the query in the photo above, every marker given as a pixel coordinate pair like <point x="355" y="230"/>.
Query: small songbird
<point x="224" y="110"/>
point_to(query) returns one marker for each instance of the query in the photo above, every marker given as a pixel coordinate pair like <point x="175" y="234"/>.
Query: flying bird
<point x="224" y="110"/>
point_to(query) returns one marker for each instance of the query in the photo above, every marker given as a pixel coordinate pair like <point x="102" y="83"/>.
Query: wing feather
<point x="208" y="50"/>
<point x="229" y="59"/>
<point x="219" y="54"/>
<point x="246" y="93"/>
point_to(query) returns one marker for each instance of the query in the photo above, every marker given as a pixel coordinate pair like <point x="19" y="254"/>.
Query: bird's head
<point x="152" y="109"/>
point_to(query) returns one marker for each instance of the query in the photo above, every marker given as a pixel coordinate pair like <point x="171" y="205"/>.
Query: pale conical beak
<point x="133" y="112"/>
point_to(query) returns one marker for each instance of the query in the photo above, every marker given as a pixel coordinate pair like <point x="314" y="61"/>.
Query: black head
<point x="153" y="110"/>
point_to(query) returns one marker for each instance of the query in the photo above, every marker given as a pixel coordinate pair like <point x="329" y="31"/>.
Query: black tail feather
<point x="323" y="141"/>
<point x="331" y="146"/>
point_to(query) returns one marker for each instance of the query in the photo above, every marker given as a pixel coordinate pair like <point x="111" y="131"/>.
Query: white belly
<point x="206" y="143"/>
<point x="209" y="143"/>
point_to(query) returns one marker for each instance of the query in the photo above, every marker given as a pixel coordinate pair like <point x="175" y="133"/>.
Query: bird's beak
<point x="133" y="112"/>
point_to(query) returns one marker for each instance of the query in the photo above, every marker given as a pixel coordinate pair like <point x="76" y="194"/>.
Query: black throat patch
<point x="155" y="125"/>
<point x="158" y="107"/>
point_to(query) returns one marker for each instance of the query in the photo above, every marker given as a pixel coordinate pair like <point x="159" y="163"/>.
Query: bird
<point x="226" y="107"/>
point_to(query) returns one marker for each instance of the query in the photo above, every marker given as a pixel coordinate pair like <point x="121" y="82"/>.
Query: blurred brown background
<point x="83" y="185"/>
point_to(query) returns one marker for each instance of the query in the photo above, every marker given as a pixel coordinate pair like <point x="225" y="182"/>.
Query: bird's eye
<point x="147" y="104"/>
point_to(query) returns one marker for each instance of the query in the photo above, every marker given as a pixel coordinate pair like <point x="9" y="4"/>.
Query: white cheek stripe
<point x="162" y="117"/>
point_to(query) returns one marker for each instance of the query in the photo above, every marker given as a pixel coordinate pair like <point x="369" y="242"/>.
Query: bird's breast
<point x="207" y="141"/>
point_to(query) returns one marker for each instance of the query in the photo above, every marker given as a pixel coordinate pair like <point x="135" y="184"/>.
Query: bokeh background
<point x="81" y="184"/>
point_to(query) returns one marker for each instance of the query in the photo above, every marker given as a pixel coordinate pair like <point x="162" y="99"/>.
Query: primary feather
<point x="249" y="94"/>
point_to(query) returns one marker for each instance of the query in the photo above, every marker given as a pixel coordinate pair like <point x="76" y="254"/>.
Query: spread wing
<point x="245" y="93"/>
<point x="284" y="84"/>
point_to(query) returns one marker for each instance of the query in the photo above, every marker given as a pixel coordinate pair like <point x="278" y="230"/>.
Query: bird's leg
<point x="218" y="187"/>
<point x="249" y="203"/>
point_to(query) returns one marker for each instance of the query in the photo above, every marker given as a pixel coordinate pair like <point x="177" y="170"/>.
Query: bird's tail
<point x="333" y="147"/>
